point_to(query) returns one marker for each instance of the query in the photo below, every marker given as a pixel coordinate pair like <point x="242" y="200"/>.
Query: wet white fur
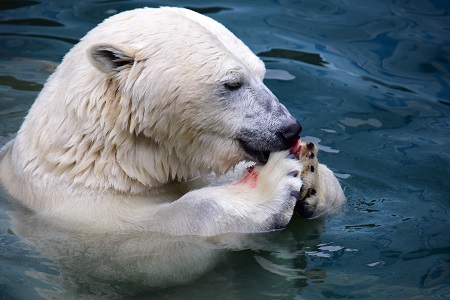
<point x="127" y="148"/>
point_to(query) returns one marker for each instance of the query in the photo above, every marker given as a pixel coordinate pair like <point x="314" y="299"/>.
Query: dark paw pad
<point x="292" y="156"/>
<point x="304" y="209"/>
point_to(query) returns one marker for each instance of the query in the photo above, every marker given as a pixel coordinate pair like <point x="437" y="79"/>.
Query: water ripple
<point x="302" y="56"/>
<point x="22" y="85"/>
<point x="32" y="22"/>
<point x="208" y="9"/>
<point x="15" y="4"/>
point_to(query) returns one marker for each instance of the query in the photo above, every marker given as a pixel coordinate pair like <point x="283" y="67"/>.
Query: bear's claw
<point x="294" y="173"/>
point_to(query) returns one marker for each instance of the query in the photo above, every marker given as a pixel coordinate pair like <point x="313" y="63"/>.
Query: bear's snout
<point x="259" y="143"/>
<point x="289" y="134"/>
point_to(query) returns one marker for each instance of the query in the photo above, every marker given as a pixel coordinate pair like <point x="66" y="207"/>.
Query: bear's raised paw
<point x="306" y="152"/>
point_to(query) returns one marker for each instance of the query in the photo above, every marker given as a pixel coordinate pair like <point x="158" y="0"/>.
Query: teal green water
<point x="369" y="82"/>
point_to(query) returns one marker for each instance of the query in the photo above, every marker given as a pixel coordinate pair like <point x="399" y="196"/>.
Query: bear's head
<point x="172" y="94"/>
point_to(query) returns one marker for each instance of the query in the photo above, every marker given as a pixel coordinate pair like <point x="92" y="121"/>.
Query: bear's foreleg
<point x="264" y="199"/>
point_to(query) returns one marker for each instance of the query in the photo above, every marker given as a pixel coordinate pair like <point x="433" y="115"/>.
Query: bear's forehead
<point x="149" y="30"/>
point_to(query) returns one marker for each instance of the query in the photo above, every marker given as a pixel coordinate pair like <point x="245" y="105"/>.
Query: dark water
<point x="368" y="80"/>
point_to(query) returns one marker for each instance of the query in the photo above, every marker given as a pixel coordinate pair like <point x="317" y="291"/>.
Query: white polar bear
<point x="140" y="111"/>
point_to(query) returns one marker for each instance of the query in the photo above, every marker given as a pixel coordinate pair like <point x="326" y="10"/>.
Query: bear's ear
<point x="109" y="58"/>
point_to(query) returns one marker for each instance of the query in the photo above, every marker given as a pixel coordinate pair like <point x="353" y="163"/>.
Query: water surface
<point x="369" y="82"/>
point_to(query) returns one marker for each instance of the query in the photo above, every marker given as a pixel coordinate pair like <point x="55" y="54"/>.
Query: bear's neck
<point x="123" y="164"/>
<point x="82" y="142"/>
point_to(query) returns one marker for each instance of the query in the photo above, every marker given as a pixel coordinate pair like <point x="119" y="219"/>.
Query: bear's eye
<point x="233" y="85"/>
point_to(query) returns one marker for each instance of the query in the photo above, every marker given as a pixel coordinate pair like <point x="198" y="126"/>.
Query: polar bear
<point x="129" y="128"/>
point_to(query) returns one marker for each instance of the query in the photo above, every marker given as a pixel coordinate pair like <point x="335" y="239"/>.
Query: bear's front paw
<point x="276" y="187"/>
<point x="306" y="152"/>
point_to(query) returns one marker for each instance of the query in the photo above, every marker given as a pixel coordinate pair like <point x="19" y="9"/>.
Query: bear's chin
<point x="258" y="156"/>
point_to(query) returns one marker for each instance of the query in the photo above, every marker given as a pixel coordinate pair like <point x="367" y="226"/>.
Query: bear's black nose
<point x="289" y="133"/>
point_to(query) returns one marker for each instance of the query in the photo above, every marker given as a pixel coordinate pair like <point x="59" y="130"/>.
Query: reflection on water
<point x="306" y="57"/>
<point x="22" y="85"/>
<point x="208" y="10"/>
<point x="390" y="86"/>
<point x="31" y="22"/>
<point x="13" y="4"/>
<point x="79" y="265"/>
<point x="368" y="80"/>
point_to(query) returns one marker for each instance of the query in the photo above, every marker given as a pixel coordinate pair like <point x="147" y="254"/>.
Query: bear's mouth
<point x="259" y="156"/>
